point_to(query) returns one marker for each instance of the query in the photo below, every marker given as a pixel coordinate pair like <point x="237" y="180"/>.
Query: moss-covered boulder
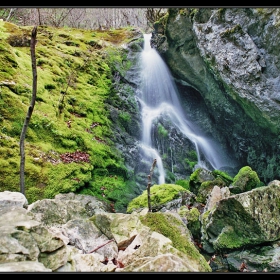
<point x="242" y="220"/>
<point x="245" y="180"/>
<point x="192" y="217"/>
<point x="199" y="176"/>
<point x="165" y="196"/>
<point x="206" y="188"/>
<point x="171" y="226"/>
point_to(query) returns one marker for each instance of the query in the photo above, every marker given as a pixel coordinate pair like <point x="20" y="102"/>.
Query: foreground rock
<point x="74" y="233"/>
<point x="242" y="220"/>
<point x="78" y="233"/>
<point x="236" y="232"/>
<point x="243" y="228"/>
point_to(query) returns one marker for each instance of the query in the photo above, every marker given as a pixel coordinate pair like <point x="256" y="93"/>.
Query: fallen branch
<point x="100" y="246"/>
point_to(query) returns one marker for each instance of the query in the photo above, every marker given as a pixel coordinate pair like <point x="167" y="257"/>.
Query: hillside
<point x="68" y="146"/>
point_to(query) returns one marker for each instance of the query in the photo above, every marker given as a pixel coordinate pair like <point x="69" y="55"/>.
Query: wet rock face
<point x="228" y="56"/>
<point x="174" y="147"/>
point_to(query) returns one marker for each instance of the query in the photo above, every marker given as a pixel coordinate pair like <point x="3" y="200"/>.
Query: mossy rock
<point x="207" y="187"/>
<point x="159" y="194"/>
<point x="193" y="223"/>
<point x="245" y="180"/>
<point x="172" y="227"/>
<point x="199" y="176"/>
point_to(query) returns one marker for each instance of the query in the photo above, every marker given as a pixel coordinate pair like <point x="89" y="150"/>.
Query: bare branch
<point x="149" y="184"/>
<point x="10" y="13"/>
<point x="100" y="246"/>
<point x="30" y="109"/>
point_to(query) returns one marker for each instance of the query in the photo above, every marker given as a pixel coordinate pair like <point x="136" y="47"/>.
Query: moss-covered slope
<point x="68" y="144"/>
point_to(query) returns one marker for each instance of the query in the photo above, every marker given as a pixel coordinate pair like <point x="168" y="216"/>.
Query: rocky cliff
<point x="226" y="65"/>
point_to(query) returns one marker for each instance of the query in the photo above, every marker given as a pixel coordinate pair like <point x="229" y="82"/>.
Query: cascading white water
<point x="158" y="96"/>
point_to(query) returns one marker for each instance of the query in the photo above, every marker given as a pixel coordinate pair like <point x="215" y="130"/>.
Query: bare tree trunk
<point x="30" y="109"/>
<point x="10" y="13"/>
<point x="39" y="17"/>
<point x="149" y="184"/>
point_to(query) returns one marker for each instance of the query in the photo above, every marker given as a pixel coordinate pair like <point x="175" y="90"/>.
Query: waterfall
<point x="159" y="96"/>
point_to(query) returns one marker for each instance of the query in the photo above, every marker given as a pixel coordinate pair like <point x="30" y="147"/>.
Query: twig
<point x="149" y="184"/>
<point x="100" y="246"/>
<point x="30" y="109"/>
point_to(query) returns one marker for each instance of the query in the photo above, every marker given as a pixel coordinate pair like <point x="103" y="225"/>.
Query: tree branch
<point x="149" y="184"/>
<point x="100" y="246"/>
<point x="30" y="109"/>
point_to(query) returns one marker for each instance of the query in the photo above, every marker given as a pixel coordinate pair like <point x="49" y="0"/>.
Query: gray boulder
<point x="74" y="233"/>
<point x="246" y="219"/>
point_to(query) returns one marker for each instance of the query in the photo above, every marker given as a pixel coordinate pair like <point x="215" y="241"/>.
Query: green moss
<point x="193" y="214"/>
<point x="64" y="178"/>
<point x="9" y="59"/>
<point x="230" y="239"/>
<point x="191" y="159"/>
<point x="162" y="131"/>
<point x="170" y="177"/>
<point x="184" y="183"/>
<point x="193" y="12"/>
<point x="206" y="188"/>
<point x="33" y="194"/>
<point x="3" y="33"/>
<point x="184" y="11"/>
<point x="192" y="217"/>
<point x="124" y="119"/>
<point x="223" y="175"/>
<point x="205" y="215"/>
<point x="195" y="181"/>
<point x="161" y="19"/>
<point x="169" y="226"/>
<point x="159" y="194"/>
<point x="191" y="163"/>
<point x="82" y="73"/>
<point x="246" y="178"/>
<point x="195" y="174"/>
<point x="277" y="200"/>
